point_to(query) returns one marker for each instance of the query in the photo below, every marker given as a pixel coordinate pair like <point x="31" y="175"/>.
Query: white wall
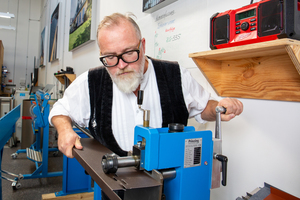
<point x="261" y="144"/>
<point x="21" y="45"/>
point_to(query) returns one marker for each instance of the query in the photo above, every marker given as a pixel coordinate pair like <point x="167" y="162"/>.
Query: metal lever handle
<point x="218" y="136"/>
<point x="146" y="118"/>
<point x="219" y="110"/>
<point x="140" y="97"/>
<point x="223" y="159"/>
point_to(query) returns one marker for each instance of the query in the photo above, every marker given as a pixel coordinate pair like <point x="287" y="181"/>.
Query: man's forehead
<point x="117" y="37"/>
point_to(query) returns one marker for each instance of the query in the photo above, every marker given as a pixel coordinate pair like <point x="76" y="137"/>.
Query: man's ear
<point x="144" y="44"/>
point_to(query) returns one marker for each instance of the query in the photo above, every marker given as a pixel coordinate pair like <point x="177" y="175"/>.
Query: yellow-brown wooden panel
<point x="61" y="77"/>
<point x="268" y="70"/>
<point x="78" y="196"/>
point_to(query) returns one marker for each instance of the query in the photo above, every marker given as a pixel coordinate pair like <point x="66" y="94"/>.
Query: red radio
<point x="258" y="22"/>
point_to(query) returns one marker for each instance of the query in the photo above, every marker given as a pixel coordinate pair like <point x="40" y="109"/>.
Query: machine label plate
<point x="192" y="152"/>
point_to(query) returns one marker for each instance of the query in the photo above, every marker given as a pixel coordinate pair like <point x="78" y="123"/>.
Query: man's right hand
<point x="67" y="138"/>
<point x="66" y="142"/>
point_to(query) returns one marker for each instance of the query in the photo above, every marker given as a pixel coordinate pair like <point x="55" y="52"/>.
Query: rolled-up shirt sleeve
<point x="75" y="102"/>
<point x="195" y="96"/>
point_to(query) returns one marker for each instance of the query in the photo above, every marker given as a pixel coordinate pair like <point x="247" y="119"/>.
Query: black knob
<point x="140" y="97"/>
<point x="245" y="26"/>
<point x="175" y="127"/>
<point x="223" y="159"/>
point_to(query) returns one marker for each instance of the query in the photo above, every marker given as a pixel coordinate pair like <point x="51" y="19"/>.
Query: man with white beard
<point x="104" y="99"/>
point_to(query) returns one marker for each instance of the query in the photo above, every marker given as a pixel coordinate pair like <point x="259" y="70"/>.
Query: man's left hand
<point x="233" y="108"/>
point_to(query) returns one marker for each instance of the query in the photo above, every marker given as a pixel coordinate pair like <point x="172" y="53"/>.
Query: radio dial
<point x="245" y="26"/>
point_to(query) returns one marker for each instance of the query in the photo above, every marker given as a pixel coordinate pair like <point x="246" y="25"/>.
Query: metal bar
<point x="127" y="180"/>
<point x="168" y="173"/>
<point x="40" y="175"/>
<point x="217" y="149"/>
<point x="5" y="99"/>
<point x="85" y="131"/>
<point x="20" y="176"/>
<point x="8" y="179"/>
<point x="127" y="161"/>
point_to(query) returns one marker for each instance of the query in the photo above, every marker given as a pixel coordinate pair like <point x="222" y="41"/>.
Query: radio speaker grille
<point x="270" y="18"/>
<point x="221" y="27"/>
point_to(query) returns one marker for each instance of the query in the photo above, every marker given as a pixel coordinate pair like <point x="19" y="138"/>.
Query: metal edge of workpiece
<point x="94" y="151"/>
<point x="128" y="178"/>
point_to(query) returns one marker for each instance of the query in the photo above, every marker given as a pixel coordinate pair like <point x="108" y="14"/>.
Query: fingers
<point x="78" y="143"/>
<point x="233" y="107"/>
<point x="68" y="152"/>
<point x="225" y="117"/>
<point x="66" y="143"/>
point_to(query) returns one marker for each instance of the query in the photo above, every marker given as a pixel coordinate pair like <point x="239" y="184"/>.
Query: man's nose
<point x="122" y="64"/>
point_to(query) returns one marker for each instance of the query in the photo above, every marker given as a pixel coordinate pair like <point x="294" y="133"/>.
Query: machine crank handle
<point x="221" y="109"/>
<point x="146" y="117"/>
<point x="223" y="159"/>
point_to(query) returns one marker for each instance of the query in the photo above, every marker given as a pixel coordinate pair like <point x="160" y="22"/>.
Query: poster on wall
<point x="53" y="35"/>
<point x="171" y="33"/>
<point x="80" y="23"/>
<point x="150" y="6"/>
<point x="42" y="61"/>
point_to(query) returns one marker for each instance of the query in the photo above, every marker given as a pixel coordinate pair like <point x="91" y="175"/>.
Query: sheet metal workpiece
<point x="130" y="182"/>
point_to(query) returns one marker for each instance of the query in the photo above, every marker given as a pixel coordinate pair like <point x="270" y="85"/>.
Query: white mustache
<point x="122" y="71"/>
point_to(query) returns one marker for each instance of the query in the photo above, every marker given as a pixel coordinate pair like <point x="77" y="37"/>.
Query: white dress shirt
<point x="125" y="112"/>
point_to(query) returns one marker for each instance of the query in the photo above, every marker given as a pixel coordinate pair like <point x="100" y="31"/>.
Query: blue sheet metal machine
<point x="185" y="157"/>
<point x="178" y="156"/>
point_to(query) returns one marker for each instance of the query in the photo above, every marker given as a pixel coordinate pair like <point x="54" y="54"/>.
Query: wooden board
<point x="61" y="77"/>
<point x="268" y="70"/>
<point x="78" y="196"/>
<point x="270" y="48"/>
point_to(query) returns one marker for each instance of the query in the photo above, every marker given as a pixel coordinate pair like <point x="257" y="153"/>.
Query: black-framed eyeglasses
<point x="128" y="57"/>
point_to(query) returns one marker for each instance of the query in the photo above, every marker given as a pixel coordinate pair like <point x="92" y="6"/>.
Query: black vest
<point x="100" y="87"/>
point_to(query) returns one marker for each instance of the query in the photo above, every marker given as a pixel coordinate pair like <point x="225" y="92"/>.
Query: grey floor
<point x="31" y="189"/>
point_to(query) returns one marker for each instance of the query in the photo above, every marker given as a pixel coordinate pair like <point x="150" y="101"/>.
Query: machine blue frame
<point x="178" y="157"/>
<point x="7" y="124"/>
<point x="41" y="112"/>
<point x="72" y="184"/>
<point x="181" y="151"/>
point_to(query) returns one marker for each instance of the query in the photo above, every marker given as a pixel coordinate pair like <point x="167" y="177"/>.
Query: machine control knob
<point x="109" y="163"/>
<point x="223" y="159"/>
<point x="175" y="127"/>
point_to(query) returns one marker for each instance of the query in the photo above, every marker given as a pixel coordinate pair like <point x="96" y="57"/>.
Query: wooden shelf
<point x="61" y="78"/>
<point x="268" y="70"/>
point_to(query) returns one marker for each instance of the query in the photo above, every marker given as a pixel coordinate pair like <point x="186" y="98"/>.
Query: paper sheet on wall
<point x="172" y="33"/>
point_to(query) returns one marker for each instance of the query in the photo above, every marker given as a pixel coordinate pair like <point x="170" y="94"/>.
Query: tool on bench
<point x="179" y="157"/>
